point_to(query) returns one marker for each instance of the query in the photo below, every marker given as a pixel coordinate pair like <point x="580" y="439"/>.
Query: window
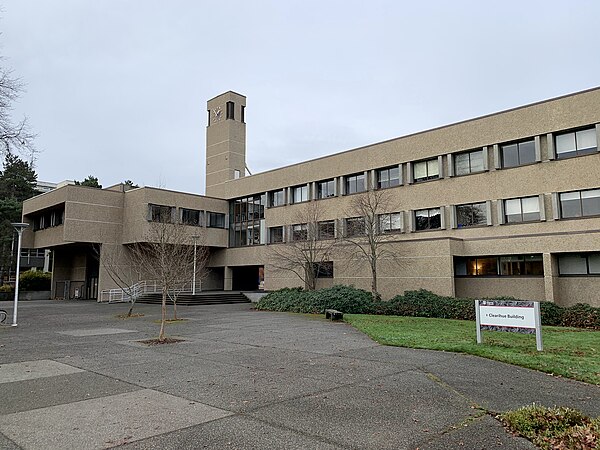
<point x="300" y="194"/>
<point x="579" y="264"/>
<point x="49" y="219"/>
<point x="471" y="215"/>
<point x="243" y="114"/>
<point x="160" y="213"/>
<point x="230" y="110"/>
<point x="215" y="220"/>
<point x="428" y="219"/>
<point x="390" y="223"/>
<point x="518" y="154"/>
<point x="326" y="229"/>
<point x="277" y="198"/>
<point x="190" y="217"/>
<point x="577" y="143"/>
<point x="426" y="170"/>
<point x="275" y="235"/>
<point x="323" y="269"/>
<point x="300" y="232"/>
<point x="525" y="209"/>
<point x="513" y="265"/>
<point x="580" y="203"/>
<point x="521" y="265"/>
<point x="470" y="162"/>
<point x="388" y="177"/>
<point x="326" y="189"/>
<point x="355" y="226"/>
<point x="355" y="183"/>
<point x="246" y="220"/>
<point x="236" y="174"/>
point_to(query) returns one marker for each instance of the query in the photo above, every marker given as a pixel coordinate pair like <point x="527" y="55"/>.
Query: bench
<point x="333" y="314"/>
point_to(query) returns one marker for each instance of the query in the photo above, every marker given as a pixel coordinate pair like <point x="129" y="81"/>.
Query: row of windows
<point x="575" y="143"/>
<point x="192" y="217"/>
<point x="49" y="219"/>
<point x="570" y="264"/>
<point x="514" y="265"/>
<point x="525" y="209"/>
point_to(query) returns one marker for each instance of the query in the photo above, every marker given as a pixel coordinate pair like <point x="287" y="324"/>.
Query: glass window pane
<point x="422" y="219"/>
<point x="565" y="144"/>
<point x="512" y="207"/>
<point x="460" y="267"/>
<point x="434" y="219"/>
<point x="461" y="164"/>
<point x="487" y="266"/>
<point x="479" y="214"/>
<point x="570" y="204"/>
<point x="360" y="183"/>
<point x="394" y="175"/>
<point x="383" y="175"/>
<point x="510" y="156"/>
<point x="420" y="170"/>
<point x="433" y="169"/>
<point x="591" y="202"/>
<point x="594" y="263"/>
<point x="395" y="221"/>
<point x="476" y="161"/>
<point x="572" y="265"/>
<point x="526" y="152"/>
<point x="586" y="139"/>
<point x="530" y="205"/>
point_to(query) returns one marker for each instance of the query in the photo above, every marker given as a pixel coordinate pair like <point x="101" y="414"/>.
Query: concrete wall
<point x="525" y="288"/>
<point x="572" y="290"/>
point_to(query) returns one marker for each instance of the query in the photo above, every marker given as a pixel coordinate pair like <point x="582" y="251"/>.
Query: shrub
<point x="35" y="281"/>
<point x="6" y="288"/>
<point x="346" y="299"/>
<point x="421" y="303"/>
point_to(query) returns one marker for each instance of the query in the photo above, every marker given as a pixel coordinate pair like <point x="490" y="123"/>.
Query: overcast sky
<point x="118" y="88"/>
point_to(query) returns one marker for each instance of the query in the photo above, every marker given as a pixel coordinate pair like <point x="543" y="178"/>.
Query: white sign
<point x="507" y="316"/>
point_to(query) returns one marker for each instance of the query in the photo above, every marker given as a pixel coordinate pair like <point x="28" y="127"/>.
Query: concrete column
<point x="441" y="166"/>
<point x="373" y="184"/>
<point x="450" y="159"/>
<point x="555" y="206"/>
<point x="551" y="279"/>
<point x="410" y="179"/>
<point x="486" y="158"/>
<point x="538" y="148"/>
<point x="497" y="163"/>
<point x="550" y="145"/>
<point x="401" y="175"/>
<point x="313" y="190"/>
<point x="227" y="278"/>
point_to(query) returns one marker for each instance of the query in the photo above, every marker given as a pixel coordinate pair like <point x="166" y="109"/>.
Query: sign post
<point x="509" y="315"/>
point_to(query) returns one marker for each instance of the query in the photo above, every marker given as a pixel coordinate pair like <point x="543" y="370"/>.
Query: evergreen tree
<point x="17" y="183"/>
<point x="90" y="181"/>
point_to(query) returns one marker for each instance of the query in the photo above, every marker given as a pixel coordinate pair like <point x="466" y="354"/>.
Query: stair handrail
<point x="133" y="292"/>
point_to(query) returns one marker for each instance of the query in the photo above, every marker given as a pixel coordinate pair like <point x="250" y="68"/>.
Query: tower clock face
<point x="217" y="114"/>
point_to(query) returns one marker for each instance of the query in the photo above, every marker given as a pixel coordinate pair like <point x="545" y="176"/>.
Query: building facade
<point x="505" y="204"/>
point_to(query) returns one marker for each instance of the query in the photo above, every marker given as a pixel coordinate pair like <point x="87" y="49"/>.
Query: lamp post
<point x="195" y="237"/>
<point x="19" y="227"/>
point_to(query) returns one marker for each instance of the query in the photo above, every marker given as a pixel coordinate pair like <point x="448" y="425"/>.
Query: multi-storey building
<point x="505" y="204"/>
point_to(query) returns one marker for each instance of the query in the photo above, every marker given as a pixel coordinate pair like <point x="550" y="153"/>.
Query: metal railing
<point x="140" y="288"/>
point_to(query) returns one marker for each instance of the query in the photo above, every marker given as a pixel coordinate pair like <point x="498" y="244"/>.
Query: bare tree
<point x="370" y="215"/>
<point x="118" y="263"/>
<point x="167" y="255"/>
<point x="308" y="249"/>
<point x="15" y="137"/>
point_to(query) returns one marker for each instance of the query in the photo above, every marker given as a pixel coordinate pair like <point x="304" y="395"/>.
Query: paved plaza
<point x="74" y="376"/>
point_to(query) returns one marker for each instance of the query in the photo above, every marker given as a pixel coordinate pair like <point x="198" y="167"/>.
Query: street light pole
<point x="195" y="237"/>
<point x="19" y="227"/>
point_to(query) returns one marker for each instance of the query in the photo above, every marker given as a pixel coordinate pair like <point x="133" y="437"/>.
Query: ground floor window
<point x="510" y="265"/>
<point x="579" y="264"/>
<point x="323" y="269"/>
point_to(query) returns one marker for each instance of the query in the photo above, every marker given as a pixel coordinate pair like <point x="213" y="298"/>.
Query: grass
<point x="568" y="352"/>
<point x="551" y="428"/>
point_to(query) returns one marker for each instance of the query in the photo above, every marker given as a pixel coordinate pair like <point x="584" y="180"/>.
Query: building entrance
<point x="248" y="278"/>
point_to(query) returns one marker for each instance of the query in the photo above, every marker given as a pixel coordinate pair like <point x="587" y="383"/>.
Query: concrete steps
<point x="202" y="298"/>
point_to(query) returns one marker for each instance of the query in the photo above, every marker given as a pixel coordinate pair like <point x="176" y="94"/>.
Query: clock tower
<point x="225" y="142"/>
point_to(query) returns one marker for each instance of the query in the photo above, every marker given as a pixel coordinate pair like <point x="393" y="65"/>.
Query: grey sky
<point x="118" y="89"/>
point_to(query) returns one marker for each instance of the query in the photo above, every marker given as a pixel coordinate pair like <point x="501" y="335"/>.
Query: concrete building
<point x="505" y="204"/>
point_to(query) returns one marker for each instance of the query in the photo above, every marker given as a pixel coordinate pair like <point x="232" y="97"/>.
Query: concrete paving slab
<point x="96" y="331"/>
<point x="247" y="389"/>
<point x="7" y="444"/>
<point x="501" y="387"/>
<point x="58" y="390"/>
<point x="30" y="370"/>
<point x="168" y="369"/>
<point x="106" y="421"/>
<point x="235" y="433"/>
<point x="398" y="411"/>
<point x="399" y="356"/>
<point x="483" y="433"/>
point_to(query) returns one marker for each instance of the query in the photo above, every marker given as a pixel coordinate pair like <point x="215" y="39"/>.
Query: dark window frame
<point x="271" y="234"/>
<point x="354" y="227"/>
<point x="326" y="229"/>
<point x="507" y="221"/>
<point x="389" y="182"/>
<point x="230" y="111"/>
<point x="427" y="177"/>
<point x="323" y="269"/>
<point x="582" y="215"/>
<point x="471" y="225"/>
<point x="327" y="184"/>
<point x="578" y="152"/>
<point x="183" y="212"/>
<point x="521" y="152"/>
<point x="352" y="181"/>
<point x="382" y="219"/>
<point x="470" y="171"/>
<point x="429" y="219"/>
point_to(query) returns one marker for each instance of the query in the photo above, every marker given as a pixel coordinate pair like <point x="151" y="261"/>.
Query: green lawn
<point x="568" y="352"/>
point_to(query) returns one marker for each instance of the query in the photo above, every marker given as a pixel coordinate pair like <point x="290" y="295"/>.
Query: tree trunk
<point x="374" y="292"/>
<point x="130" y="309"/>
<point x="163" y="318"/>
<point x="174" y="308"/>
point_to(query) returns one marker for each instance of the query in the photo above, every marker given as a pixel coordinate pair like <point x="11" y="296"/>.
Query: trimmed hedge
<point x="33" y="280"/>
<point x="421" y="303"/>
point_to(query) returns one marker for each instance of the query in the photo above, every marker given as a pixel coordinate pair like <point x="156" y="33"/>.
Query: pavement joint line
<point x="446" y="386"/>
<point x="454" y="428"/>
<point x="10" y="440"/>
